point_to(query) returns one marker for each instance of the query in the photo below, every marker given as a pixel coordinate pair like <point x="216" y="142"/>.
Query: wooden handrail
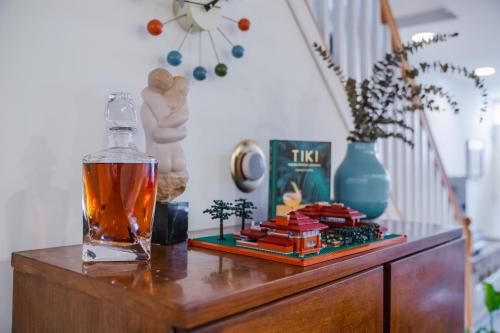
<point x="389" y="20"/>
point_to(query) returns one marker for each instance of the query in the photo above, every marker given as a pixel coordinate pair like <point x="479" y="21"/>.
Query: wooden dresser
<point x="417" y="286"/>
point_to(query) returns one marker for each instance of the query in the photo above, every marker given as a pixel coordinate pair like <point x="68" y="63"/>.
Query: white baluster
<point x="402" y="174"/>
<point x="437" y="186"/>
<point x="394" y="160"/>
<point x="451" y="214"/>
<point x="424" y="206"/>
<point x="328" y="32"/>
<point x="353" y="54"/>
<point x="445" y="205"/>
<point x="339" y="33"/>
<point x="386" y="38"/>
<point x="322" y="12"/>
<point x="410" y="156"/>
<point x="431" y="180"/>
<point x="398" y="165"/>
<point x="405" y="175"/>
<point x="318" y="11"/>
<point x="387" y="143"/>
<point x="439" y="196"/>
<point x="417" y="185"/>
<point x="364" y="32"/>
<point x="377" y="32"/>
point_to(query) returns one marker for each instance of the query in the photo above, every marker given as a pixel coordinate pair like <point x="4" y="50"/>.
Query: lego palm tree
<point x="243" y="209"/>
<point x="220" y="210"/>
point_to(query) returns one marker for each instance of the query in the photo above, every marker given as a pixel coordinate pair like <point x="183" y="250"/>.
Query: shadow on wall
<point x="5" y="294"/>
<point x="35" y="214"/>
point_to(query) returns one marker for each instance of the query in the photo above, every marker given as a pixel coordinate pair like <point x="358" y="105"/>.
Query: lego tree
<point x="220" y="210"/>
<point x="243" y="209"/>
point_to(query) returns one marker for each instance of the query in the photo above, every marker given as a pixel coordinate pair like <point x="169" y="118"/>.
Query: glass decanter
<point x="119" y="191"/>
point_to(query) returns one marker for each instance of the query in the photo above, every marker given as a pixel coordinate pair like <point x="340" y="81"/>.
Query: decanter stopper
<point x="120" y="111"/>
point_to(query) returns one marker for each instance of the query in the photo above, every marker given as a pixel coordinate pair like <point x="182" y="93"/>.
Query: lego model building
<point x="310" y="235"/>
<point x="333" y="214"/>
<point x="287" y="234"/>
<point x="344" y="224"/>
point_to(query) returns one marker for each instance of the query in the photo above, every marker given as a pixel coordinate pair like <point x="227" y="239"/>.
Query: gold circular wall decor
<point x="248" y="165"/>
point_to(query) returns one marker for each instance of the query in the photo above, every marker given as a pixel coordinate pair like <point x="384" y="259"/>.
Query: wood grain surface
<point x="427" y="290"/>
<point x="351" y="305"/>
<point x="188" y="287"/>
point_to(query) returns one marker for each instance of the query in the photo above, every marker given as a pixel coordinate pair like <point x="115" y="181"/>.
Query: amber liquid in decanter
<point x="119" y="200"/>
<point x="119" y="191"/>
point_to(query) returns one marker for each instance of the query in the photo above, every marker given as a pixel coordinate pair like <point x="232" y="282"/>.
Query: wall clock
<point x="202" y="18"/>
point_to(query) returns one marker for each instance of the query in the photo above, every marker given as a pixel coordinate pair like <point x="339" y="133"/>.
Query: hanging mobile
<point x="197" y="17"/>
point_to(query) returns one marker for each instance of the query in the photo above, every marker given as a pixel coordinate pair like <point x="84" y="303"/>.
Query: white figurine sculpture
<point x="163" y="114"/>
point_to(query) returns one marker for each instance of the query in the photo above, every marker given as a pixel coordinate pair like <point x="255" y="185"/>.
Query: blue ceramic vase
<point x="361" y="181"/>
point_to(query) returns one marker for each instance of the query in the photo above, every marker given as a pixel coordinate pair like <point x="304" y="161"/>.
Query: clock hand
<point x="210" y="5"/>
<point x="181" y="3"/>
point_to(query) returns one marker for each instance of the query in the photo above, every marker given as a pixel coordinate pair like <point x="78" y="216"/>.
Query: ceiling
<point x="478" y="23"/>
<point x="403" y="8"/>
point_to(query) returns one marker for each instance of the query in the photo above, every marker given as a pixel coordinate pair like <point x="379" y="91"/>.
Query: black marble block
<point x="170" y="224"/>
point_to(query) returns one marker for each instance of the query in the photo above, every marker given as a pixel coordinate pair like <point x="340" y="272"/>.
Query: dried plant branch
<point x="378" y="103"/>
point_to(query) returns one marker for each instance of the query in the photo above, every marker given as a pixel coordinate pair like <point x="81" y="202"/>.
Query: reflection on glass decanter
<point x="119" y="191"/>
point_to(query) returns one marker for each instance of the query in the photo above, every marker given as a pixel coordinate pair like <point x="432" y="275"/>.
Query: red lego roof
<point x="277" y="240"/>
<point x="298" y="223"/>
<point x="333" y="210"/>
<point x="253" y="233"/>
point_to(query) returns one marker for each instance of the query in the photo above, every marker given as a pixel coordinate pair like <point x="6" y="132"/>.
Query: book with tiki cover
<point x="300" y="174"/>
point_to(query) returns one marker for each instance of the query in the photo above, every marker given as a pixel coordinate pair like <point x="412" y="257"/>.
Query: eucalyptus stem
<point x="373" y="100"/>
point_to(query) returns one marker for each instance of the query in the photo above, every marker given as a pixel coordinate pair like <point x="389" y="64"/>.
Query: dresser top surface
<point x="193" y="286"/>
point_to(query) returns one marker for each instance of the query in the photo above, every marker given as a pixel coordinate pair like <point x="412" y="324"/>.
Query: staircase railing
<point x="358" y="33"/>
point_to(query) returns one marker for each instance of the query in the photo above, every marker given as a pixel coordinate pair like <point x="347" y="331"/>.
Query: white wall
<point x="60" y="58"/>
